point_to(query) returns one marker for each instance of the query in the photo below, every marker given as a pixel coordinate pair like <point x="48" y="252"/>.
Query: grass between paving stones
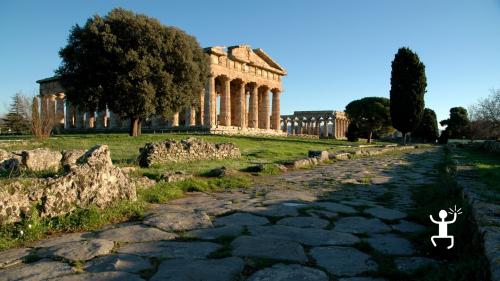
<point x="466" y="260"/>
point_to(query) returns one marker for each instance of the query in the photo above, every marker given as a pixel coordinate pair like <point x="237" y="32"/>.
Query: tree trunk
<point x="404" y="139"/>
<point x="369" y="140"/>
<point x="134" y="129"/>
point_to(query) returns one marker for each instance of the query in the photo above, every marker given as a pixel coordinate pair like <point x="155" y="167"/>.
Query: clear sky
<point x="334" y="51"/>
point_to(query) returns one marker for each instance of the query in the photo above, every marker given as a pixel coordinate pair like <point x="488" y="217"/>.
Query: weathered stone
<point x="4" y="155"/>
<point x="41" y="270"/>
<point x="70" y="237"/>
<point x="143" y="182"/>
<point x="408" y="227"/>
<point x="380" y="180"/>
<point x="100" y="276"/>
<point x="340" y="156"/>
<point x="41" y="159"/>
<point x="175" y="176"/>
<point x="361" y="225"/>
<point x="207" y="270"/>
<point x="221" y="172"/>
<point x="391" y="244"/>
<point x="321" y="155"/>
<point x="306" y="236"/>
<point x="408" y="264"/>
<point x="322" y="214"/>
<point x="14" y="202"/>
<point x="282" y="272"/>
<point x="78" y="250"/>
<point x="276" y="210"/>
<point x="241" y="219"/>
<point x="69" y="157"/>
<point x="124" y="263"/>
<point x="304" y="163"/>
<point x="265" y="247"/>
<point x="186" y="150"/>
<point x="336" y="207"/>
<point x="12" y="256"/>
<point x="343" y="261"/>
<point x="170" y="250"/>
<point x="290" y="196"/>
<point x="215" y="233"/>
<point x="135" y="233"/>
<point x="93" y="181"/>
<point x="178" y="221"/>
<point x="385" y="213"/>
<point x="304" y="222"/>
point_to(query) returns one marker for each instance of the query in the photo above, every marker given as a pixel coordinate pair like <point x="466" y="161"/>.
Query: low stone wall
<point x="171" y="151"/>
<point x="232" y="130"/>
<point x="91" y="181"/>
<point x="491" y="146"/>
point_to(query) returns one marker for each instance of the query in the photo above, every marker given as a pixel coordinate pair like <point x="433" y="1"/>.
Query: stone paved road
<point x="304" y="225"/>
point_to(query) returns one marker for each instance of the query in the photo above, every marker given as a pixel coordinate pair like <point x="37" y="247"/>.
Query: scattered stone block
<point x="41" y="159"/>
<point x="175" y="176"/>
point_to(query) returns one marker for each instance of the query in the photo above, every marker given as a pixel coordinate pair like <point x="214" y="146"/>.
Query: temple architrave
<point x="242" y="96"/>
<point x="321" y="124"/>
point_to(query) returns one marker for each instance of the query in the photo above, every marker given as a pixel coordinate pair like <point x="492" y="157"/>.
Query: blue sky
<point x="334" y="51"/>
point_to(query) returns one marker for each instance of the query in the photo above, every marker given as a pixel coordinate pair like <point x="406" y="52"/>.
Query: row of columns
<point x="319" y="127"/>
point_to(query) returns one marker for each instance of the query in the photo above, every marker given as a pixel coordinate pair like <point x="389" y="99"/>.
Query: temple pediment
<point x="243" y="53"/>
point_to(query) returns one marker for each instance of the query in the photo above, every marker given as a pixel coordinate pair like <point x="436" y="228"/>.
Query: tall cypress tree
<point x="428" y="128"/>
<point x="408" y="83"/>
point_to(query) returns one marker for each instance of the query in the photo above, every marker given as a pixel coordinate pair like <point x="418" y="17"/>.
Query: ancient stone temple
<point x="322" y="124"/>
<point x="242" y="96"/>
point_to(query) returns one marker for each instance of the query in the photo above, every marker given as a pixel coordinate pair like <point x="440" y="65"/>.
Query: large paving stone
<point x="178" y="221"/>
<point x="322" y="214"/>
<point x="343" y="261"/>
<point x="217" y="232"/>
<point x="203" y="270"/>
<point x="13" y="256"/>
<point x="282" y="272"/>
<point x="171" y="250"/>
<point x="121" y="262"/>
<point x="304" y="222"/>
<point x="135" y="233"/>
<point x="306" y="236"/>
<point x="408" y="264"/>
<point x="391" y="244"/>
<point x="78" y="250"/>
<point x="266" y="247"/>
<point x="408" y="227"/>
<point x="277" y="210"/>
<point x="70" y="237"/>
<point x="336" y="207"/>
<point x="361" y="225"/>
<point x="362" y="279"/>
<point x="240" y="219"/>
<point x="41" y="270"/>
<point x="100" y="276"/>
<point x="385" y="213"/>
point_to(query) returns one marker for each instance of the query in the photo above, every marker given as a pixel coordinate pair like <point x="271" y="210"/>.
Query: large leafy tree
<point x="408" y="83"/>
<point x="427" y="130"/>
<point x="368" y="115"/>
<point x="132" y="65"/>
<point x="457" y="124"/>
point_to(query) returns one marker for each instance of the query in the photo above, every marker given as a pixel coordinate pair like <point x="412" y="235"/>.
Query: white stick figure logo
<point x="443" y="225"/>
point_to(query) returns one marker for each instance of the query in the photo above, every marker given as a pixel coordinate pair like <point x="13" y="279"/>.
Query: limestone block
<point x="40" y="159"/>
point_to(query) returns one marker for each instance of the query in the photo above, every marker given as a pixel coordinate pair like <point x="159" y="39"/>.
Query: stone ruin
<point x="90" y="180"/>
<point x="171" y="151"/>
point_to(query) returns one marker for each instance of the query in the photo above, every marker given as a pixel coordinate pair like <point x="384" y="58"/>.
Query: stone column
<point x="318" y="131"/>
<point x="70" y="115"/>
<point x="60" y="110"/>
<point x="225" y="103"/>
<point x="325" y="127"/>
<point x="175" y="120"/>
<point x="114" y="121"/>
<point x="210" y="106"/>
<point x="292" y="127"/>
<point x="265" y="109"/>
<point x="51" y="108"/>
<point x="201" y="109"/>
<point x="285" y="125"/>
<point x="242" y="106"/>
<point x="192" y="116"/>
<point x="91" y="119"/>
<point x="276" y="111"/>
<point x="80" y="118"/>
<point x="253" y="115"/>
<point x="260" y="108"/>
<point x="100" y="121"/>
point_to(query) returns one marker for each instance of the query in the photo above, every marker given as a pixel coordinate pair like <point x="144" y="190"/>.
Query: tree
<point x="19" y="116"/>
<point x="352" y="132"/>
<point x="457" y="124"/>
<point x="485" y="117"/>
<point x="132" y="65"/>
<point x="427" y="130"/>
<point x="408" y="84"/>
<point x="368" y="115"/>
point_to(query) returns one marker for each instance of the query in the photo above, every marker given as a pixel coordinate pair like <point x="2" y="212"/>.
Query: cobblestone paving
<point x="310" y="225"/>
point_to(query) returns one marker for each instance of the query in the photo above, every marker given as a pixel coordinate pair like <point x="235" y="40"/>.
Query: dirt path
<point x="303" y="225"/>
